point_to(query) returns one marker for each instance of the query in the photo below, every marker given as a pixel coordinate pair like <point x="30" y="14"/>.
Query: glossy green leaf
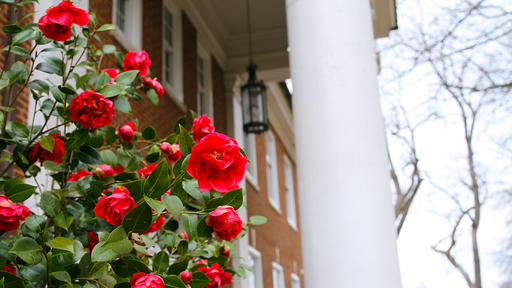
<point x="61" y="276"/>
<point x="185" y="142"/>
<point x="11" y="29"/>
<point x="152" y="96"/>
<point x="108" y="157"/>
<point x="106" y="27"/>
<point x="138" y="219"/>
<point x="89" y="155"/>
<point x="257" y="220"/>
<point x="174" y="282"/>
<point x="50" y="204"/>
<point x="233" y="198"/>
<point x="156" y="205"/>
<point x="11" y="281"/>
<point x="27" y="249"/>
<point x="61" y="243"/>
<point x="190" y="225"/>
<point x="158" y="181"/>
<point x="63" y="220"/>
<point x="173" y="204"/>
<point x="192" y="189"/>
<point x="126" y="78"/>
<point x="17" y="191"/>
<point x="161" y="262"/>
<point x="121" y="104"/>
<point x="199" y="280"/>
<point x="179" y="266"/>
<point x="129" y="265"/>
<point x="149" y="133"/>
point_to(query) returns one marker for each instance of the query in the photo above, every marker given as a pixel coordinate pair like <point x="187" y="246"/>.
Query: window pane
<point x="290" y="195"/>
<point x="272" y="185"/>
<point x="120" y="14"/>
<point x="168" y="65"/>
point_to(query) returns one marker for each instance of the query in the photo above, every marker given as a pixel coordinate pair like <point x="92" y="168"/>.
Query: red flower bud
<point x="153" y="83"/>
<point x="137" y="60"/>
<point x="225" y="222"/>
<point x="126" y="132"/>
<point x="225" y="251"/>
<point x="165" y="147"/>
<point x="104" y="170"/>
<point x="186" y="276"/>
<point x="174" y="154"/>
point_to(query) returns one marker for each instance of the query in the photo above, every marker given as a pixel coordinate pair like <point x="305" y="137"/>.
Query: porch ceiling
<point x="227" y="21"/>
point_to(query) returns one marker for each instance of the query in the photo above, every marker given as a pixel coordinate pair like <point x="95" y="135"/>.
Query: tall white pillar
<point x="347" y="227"/>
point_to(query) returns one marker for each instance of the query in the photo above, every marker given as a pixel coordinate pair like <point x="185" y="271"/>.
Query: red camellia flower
<point x="39" y="153"/>
<point x="153" y="83"/>
<point x="112" y="72"/>
<point x="104" y="170"/>
<point x="92" y="109"/>
<point x="174" y="153"/>
<point x="186" y="276"/>
<point x="225" y="222"/>
<point x="11" y="214"/>
<point x="137" y="60"/>
<point x="218" y="276"/>
<point x="93" y="240"/>
<point x="113" y="208"/>
<point x="216" y="162"/>
<point x="157" y="225"/>
<point x="202" y="126"/>
<point x="119" y="169"/>
<point x="56" y="24"/>
<point x="10" y="268"/>
<point x="126" y="131"/>
<point x="143" y="280"/>
<point x="80" y="174"/>
<point x="146" y="170"/>
<point x="165" y="147"/>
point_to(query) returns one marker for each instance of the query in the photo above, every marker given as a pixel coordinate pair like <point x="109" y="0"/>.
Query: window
<point x="272" y="184"/>
<point x="295" y="281"/>
<point x="127" y="15"/>
<point x="250" y="150"/>
<point x="290" y="193"/>
<point x="277" y="275"/>
<point x="204" y="91"/>
<point x="171" y="50"/>
<point x="255" y="278"/>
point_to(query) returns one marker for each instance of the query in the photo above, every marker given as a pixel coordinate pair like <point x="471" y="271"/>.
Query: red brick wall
<point x="189" y="62"/>
<point x="219" y="97"/>
<point x="163" y="116"/>
<point x="276" y="233"/>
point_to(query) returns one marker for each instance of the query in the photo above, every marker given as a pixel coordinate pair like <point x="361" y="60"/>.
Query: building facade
<point x="199" y="51"/>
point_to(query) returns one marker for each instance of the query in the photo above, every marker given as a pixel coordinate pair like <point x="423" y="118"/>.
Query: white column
<point x="348" y="235"/>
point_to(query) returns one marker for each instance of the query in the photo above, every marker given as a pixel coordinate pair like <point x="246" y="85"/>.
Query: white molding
<point x="132" y="40"/>
<point x="207" y="68"/>
<point x="177" y="50"/>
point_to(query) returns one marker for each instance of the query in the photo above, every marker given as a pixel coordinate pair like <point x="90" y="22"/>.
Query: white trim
<point x="273" y="175"/>
<point x="295" y="278"/>
<point x="280" y="282"/>
<point x="290" y="193"/>
<point x="250" y="149"/>
<point x="132" y="38"/>
<point x="176" y="90"/>
<point x="257" y="266"/>
<point x="204" y="54"/>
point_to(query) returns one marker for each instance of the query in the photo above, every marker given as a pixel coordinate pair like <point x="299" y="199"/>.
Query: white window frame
<point x="175" y="89"/>
<point x="277" y="282"/>
<point x="256" y="267"/>
<point x="272" y="171"/>
<point x="131" y="39"/>
<point x="291" y="211"/>
<point x="295" y="280"/>
<point x="206" y="88"/>
<point x="252" y="168"/>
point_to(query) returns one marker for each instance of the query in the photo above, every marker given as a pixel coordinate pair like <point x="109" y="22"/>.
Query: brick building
<point x="199" y="52"/>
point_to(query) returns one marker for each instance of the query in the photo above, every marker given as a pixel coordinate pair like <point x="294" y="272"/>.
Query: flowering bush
<point x="124" y="208"/>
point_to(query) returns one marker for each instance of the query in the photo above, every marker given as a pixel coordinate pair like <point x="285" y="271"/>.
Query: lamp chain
<point x="249" y="28"/>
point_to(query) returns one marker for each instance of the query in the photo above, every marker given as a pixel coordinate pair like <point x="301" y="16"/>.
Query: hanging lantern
<point x="254" y="95"/>
<point x="254" y="104"/>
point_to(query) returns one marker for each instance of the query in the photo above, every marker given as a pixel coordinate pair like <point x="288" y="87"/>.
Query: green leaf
<point x="11" y="29"/>
<point x="109" y="49"/>
<point x="51" y="65"/>
<point x="11" y="280"/>
<point x="192" y="189"/>
<point x="103" y="254"/>
<point x="173" y="204"/>
<point x="47" y="142"/>
<point x="126" y="78"/>
<point x="62" y="276"/>
<point x="257" y="220"/>
<point x="18" y="73"/>
<point x="89" y="155"/>
<point x="138" y="219"/>
<point x="233" y="198"/>
<point x="17" y="191"/>
<point x="97" y="269"/>
<point x="102" y="80"/>
<point x="35" y="223"/>
<point x="190" y="225"/>
<point x="160" y="262"/>
<point x="153" y="154"/>
<point x="39" y="86"/>
<point x="185" y="142"/>
<point x="27" y="249"/>
<point x="64" y="220"/>
<point x="118" y="241"/>
<point x="52" y="166"/>
<point x="149" y="133"/>
<point x="24" y="36"/>
<point x="152" y="96"/>
<point x="129" y="265"/>
<point x="121" y="103"/>
<point x="180" y="122"/>
<point x="158" y="181"/>
<point x="179" y="266"/>
<point x="106" y="27"/>
<point x="50" y="204"/>
<point x="199" y="280"/>
<point x="110" y="135"/>
<point x="174" y="282"/>
<point x="17" y="50"/>
<point x="156" y="205"/>
<point x="110" y="90"/>
<point x="33" y="273"/>
<point x="61" y="243"/>
<point x="109" y="157"/>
